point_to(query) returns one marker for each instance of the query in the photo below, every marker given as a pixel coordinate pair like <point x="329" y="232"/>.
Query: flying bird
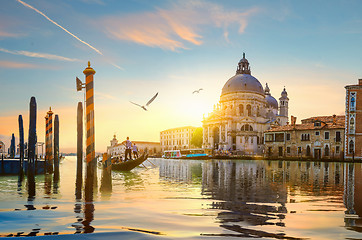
<point x="197" y="91"/>
<point x="148" y="103"/>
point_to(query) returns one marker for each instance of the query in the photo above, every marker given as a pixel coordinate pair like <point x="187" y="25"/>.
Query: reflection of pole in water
<point x="106" y="182"/>
<point x="31" y="147"/>
<point x="56" y="148"/>
<point x="88" y="217"/>
<point x="79" y="179"/>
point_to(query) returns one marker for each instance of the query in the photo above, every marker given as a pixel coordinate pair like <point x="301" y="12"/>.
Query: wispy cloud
<point x="8" y="34"/>
<point x="55" y="23"/>
<point x="71" y="34"/>
<point x="39" y="55"/>
<point x="101" y="95"/>
<point x="10" y="64"/>
<point x="177" y="25"/>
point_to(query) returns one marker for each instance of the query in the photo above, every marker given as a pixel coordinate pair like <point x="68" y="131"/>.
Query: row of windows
<point x="175" y="142"/>
<point x="175" y="136"/>
<point x="308" y="151"/>
<point x="279" y="137"/>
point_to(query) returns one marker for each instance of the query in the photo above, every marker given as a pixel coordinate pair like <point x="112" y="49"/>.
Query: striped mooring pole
<point x="50" y="141"/>
<point x="46" y="156"/>
<point x="90" y="148"/>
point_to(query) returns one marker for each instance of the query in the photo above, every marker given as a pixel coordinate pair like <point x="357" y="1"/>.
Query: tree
<point x="197" y="137"/>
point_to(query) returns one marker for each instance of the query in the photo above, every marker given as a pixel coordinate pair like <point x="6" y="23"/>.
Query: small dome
<point x="271" y="101"/>
<point x="242" y="83"/>
<point x="284" y="93"/>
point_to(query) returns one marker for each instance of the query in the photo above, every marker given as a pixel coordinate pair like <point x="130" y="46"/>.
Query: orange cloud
<point x="172" y="28"/>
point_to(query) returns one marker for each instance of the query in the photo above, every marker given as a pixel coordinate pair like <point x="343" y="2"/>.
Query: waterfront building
<point x="316" y="137"/>
<point x="118" y="149"/>
<point x="244" y="112"/>
<point x="353" y="124"/>
<point x="177" y="138"/>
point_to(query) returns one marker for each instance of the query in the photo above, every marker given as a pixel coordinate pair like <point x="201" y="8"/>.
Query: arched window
<point x="353" y="101"/>
<point x="241" y="109"/>
<point x="326" y="151"/>
<point x="351" y="123"/>
<point x="246" y="128"/>
<point x="248" y="109"/>
<point x="308" y="150"/>
<point x="351" y="147"/>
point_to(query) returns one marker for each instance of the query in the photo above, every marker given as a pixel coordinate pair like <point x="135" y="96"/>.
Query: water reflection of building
<point x="244" y="112"/>
<point x="353" y="196"/>
<point x="256" y="193"/>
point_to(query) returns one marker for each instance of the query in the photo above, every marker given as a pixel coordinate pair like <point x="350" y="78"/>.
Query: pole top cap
<point x="89" y="70"/>
<point x="50" y="111"/>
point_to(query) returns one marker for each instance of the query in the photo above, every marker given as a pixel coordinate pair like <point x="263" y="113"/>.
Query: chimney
<point x="335" y="117"/>
<point x="359" y="81"/>
<point x="293" y="120"/>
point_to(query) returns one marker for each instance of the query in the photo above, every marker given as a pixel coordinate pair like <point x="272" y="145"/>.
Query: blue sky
<point x="313" y="48"/>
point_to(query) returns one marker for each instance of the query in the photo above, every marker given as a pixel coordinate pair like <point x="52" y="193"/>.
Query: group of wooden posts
<point x="33" y="166"/>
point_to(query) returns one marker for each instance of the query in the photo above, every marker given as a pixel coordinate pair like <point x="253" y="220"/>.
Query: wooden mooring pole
<point x="31" y="147"/>
<point x="12" y="147"/>
<point x="91" y="177"/>
<point x="56" y="148"/>
<point x="21" y="146"/>
<point x="50" y="141"/>
<point x="79" y="179"/>
<point x="46" y="156"/>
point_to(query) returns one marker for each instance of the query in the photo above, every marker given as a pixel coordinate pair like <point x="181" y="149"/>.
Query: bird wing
<point x="201" y="89"/>
<point x="151" y="100"/>
<point x="135" y="104"/>
<point x="194" y="91"/>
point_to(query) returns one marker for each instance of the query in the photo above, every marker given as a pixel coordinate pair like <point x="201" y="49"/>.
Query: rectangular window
<point x="326" y="135"/>
<point x="317" y="124"/>
<point x="269" y="138"/>
<point x="288" y="136"/>
<point x="299" y="150"/>
<point x="338" y="136"/>
<point x="288" y="150"/>
<point x="317" y="133"/>
<point x="279" y="137"/>
<point x="337" y="149"/>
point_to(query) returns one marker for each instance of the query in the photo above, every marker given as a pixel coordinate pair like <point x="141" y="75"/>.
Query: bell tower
<point x="283" y="107"/>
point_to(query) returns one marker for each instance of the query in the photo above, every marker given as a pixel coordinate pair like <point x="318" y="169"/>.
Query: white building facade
<point x="176" y="138"/>
<point x="244" y="112"/>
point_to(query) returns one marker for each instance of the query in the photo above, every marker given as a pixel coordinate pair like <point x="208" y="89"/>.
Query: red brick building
<point x="353" y="124"/>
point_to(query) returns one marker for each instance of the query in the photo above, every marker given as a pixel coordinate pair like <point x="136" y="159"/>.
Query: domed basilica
<point x="245" y="111"/>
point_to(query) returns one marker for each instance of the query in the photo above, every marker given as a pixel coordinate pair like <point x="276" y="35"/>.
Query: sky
<point x="141" y="47"/>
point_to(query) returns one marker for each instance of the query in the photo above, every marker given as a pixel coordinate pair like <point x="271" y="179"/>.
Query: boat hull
<point x="129" y="165"/>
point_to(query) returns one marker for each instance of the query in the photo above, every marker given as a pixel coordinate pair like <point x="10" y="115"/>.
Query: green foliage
<point x="197" y="137"/>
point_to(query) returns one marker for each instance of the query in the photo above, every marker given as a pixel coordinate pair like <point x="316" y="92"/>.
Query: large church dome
<point x="242" y="81"/>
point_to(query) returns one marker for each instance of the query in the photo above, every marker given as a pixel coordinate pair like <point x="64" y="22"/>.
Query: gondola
<point x="130" y="164"/>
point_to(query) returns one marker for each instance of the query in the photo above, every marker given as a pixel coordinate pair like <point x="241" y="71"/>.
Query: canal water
<point x="211" y="199"/>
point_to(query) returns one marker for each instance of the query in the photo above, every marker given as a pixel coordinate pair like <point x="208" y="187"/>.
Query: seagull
<point x="148" y="103"/>
<point x="197" y="91"/>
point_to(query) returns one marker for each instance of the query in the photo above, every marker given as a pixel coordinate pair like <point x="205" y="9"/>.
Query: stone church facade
<point x="244" y="112"/>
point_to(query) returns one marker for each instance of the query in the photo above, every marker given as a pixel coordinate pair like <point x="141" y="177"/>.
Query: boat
<point x="172" y="154"/>
<point x="196" y="154"/>
<point x="130" y="164"/>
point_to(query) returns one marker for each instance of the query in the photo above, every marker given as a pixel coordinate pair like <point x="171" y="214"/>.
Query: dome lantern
<point x="243" y="66"/>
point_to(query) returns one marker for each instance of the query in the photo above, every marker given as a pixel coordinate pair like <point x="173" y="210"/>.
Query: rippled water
<point x="196" y="199"/>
